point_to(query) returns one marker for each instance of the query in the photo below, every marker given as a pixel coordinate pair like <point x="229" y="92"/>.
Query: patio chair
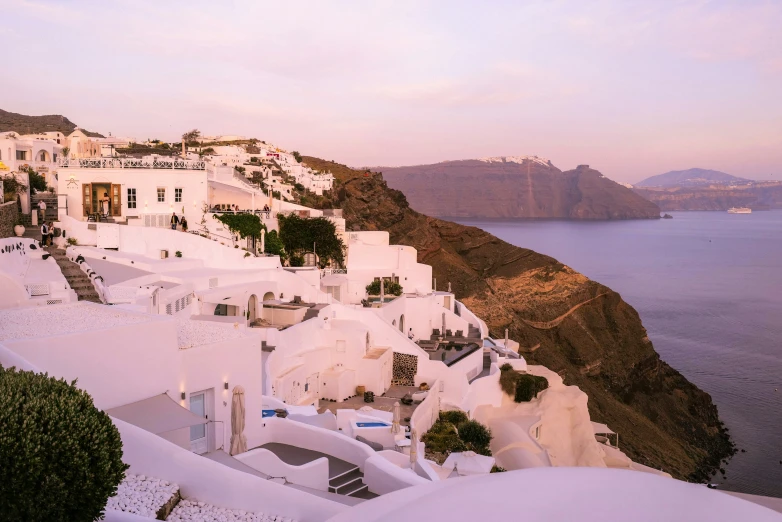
<point x="436" y="332"/>
<point x="448" y="333"/>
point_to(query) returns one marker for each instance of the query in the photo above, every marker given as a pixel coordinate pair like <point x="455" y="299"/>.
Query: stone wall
<point x="8" y="216"/>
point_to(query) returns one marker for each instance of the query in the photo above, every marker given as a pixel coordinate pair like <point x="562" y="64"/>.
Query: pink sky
<point x="632" y="88"/>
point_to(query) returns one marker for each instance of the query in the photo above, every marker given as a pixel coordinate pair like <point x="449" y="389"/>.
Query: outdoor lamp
<point x="226" y="385"/>
<point x="183" y="395"/>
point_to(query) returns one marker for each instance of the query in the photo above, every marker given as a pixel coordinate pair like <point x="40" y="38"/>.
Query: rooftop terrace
<point x="45" y="321"/>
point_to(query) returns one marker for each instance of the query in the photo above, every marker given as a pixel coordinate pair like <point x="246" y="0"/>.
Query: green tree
<point x="37" y="182"/>
<point x="273" y="245"/>
<point x="300" y="235"/>
<point x="65" y="152"/>
<point x="12" y="187"/>
<point x="60" y="457"/>
<point x="296" y="155"/>
<point x="389" y="287"/>
<point x="191" y="137"/>
<point x="245" y="225"/>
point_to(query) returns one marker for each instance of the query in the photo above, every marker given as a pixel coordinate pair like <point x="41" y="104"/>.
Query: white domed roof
<point x="546" y="494"/>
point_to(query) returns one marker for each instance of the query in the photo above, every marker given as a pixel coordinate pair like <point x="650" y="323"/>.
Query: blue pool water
<point x="372" y="425"/>
<point x="267" y="413"/>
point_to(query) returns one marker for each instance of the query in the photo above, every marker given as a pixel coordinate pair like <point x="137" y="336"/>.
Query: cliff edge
<point x="578" y="328"/>
<point x="525" y="188"/>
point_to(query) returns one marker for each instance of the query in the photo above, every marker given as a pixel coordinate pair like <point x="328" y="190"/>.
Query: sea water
<point x="708" y="288"/>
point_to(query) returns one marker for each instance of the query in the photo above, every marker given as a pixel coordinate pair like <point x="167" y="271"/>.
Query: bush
<point x="528" y="386"/>
<point x="72" y="241"/>
<point x="299" y="187"/>
<point x="476" y="436"/>
<point x="178" y="253"/>
<point x="389" y="287"/>
<point x="60" y="457"/>
<point x="455" y="417"/>
<point x="508" y="379"/>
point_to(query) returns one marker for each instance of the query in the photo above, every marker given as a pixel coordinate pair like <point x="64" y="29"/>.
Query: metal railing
<point x="131" y="163"/>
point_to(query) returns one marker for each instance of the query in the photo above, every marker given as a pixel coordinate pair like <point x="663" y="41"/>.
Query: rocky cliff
<point x="760" y="195"/>
<point x="23" y="124"/>
<point x="574" y="326"/>
<point x="520" y="188"/>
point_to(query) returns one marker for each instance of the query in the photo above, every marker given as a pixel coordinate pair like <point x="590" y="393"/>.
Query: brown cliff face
<point x="758" y="196"/>
<point x="23" y="124"/>
<point x="563" y="320"/>
<point x="504" y="189"/>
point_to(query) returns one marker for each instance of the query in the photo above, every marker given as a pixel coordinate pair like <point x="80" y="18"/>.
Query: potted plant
<point x="19" y="228"/>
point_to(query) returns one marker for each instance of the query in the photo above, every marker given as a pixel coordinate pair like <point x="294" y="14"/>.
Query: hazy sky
<point x="631" y="88"/>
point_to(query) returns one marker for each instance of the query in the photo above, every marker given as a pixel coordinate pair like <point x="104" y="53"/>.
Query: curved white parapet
<point x="383" y="476"/>
<point x="545" y="494"/>
<point x="208" y="481"/>
<point x="313" y="474"/>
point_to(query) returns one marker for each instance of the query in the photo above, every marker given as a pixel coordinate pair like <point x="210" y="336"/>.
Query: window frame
<point x="178" y="195"/>
<point x="159" y="193"/>
<point x="132" y="201"/>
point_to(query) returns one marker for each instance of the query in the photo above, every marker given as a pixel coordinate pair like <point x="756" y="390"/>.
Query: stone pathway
<point x="77" y="279"/>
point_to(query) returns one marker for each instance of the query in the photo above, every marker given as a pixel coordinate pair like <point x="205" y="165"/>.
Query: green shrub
<point x="60" y="457"/>
<point x="455" y="417"/>
<point x="72" y="241"/>
<point x="476" y="436"/>
<point x="389" y="287"/>
<point x="528" y="386"/>
<point x="498" y="469"/>
<point x="508" y="379"/>
<point x="178" y="253"/>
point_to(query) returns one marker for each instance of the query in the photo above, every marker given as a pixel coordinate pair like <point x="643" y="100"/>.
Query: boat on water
<point x="739" y="210"/>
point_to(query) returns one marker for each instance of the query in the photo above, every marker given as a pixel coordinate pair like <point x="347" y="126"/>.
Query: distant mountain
<point x="691" y="178"/>
<point x="23" y="124"/>
<point x="516" y="187"/>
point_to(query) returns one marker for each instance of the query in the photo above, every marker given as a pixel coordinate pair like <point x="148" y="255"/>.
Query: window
<point x="177" y="195"/>
<point x="55" y="156"/>
<point x="21" y="155"/>
<point x="161" y="195"/>
<point x="131" y="198"/>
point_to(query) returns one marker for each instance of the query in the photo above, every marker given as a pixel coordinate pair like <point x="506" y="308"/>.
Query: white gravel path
<point x="194" y="511"/>
<point x="142" y="495"/>
<point x="42" y="321"/>
<point x="197" y="333"/>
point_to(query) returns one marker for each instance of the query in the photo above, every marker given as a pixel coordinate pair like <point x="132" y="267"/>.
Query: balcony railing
<point x="131" y="163"/>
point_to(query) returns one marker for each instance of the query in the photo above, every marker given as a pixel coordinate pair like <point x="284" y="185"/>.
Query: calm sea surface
<point x="708" y="287"/>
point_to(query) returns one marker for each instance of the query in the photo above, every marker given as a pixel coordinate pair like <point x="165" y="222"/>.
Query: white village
<point x="261" y="361"/>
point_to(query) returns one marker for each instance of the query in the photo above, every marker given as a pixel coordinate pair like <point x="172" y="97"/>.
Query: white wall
<point x="313" y="474"/>
<point x="146" y="182"/>
<point x="209" y="481"/>
<point x="102" y="360"/>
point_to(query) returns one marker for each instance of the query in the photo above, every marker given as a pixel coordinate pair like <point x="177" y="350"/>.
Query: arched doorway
<point x="269" y="296"/>
<point x="42" y="156"/>
<point x="402" y="323"/>
<point x="252" y="308"/>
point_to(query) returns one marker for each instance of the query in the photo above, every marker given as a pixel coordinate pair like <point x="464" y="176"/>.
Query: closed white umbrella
<point x="395" y="427"/>
<point x="238" y="438"/>
<point x="413" y="448"/>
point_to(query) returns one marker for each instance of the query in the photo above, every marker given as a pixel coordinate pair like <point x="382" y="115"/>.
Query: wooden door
<point x="86" y="198"/>
<point x="116" y="200"/>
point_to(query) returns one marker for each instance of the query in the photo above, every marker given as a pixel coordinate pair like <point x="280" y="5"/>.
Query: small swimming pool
<point x="267" y="413"/>
<point x="372" y="425"/>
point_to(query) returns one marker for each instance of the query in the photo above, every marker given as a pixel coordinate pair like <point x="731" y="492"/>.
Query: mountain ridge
<point x="24" y="124"/>
<point x="690" y="177"/>
<point x="523" y="187"/>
